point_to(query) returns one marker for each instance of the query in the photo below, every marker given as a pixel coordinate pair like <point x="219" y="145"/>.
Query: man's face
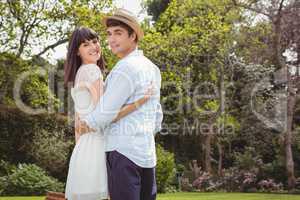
<point x="120" y="42"/>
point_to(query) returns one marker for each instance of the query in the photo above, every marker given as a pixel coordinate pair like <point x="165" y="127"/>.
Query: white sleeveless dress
<point x="87" y="176"/>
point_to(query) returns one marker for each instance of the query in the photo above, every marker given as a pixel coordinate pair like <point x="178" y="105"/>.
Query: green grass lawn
<point x="227" y="196"/>
<point x="201" y="196"/>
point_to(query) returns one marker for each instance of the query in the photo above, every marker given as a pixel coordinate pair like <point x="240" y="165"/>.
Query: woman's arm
<point x="96" y="90"/>
<point x="77" y="127"/>
<point x="129" y="108"/>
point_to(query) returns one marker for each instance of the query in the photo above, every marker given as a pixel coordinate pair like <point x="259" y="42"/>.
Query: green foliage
<point x="203" y="48"/>
<point x="21" y="137"/>
<point x="165" y="169"/>
<point x="248" y="160"/>
<point x="6" y="168"/>
<point x="188" y="43"/>
<point x="156" y="7"/>
<point x="26" y="25"/>
<point x="229" y="121"/>
<point x="24" y="81"/>
<point x="51" y="150"/>
<point x="29" y="179"/>
<point x="253" y="43"/>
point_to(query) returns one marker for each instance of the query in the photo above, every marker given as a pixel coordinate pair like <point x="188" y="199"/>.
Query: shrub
<point x="51" y="151"/>
<point x="3" y="184"/>
<point x="203" y="181"/>
<point x="165" y="169"/>
<point x="29" y="179"/>
<point x="274" y="169"/>
<point x="206" y="182"/>
<point x="45" y="139"/>
<point x="185" y="185"/>
<point x="248" y="160"/>
<point x="34" y="89"/>
<point x="230" y="180"/>
<point x="178" y="177"/>
<point x="248" y="182"/>
<point x="6" y="168"/>
<point x="235" y="179"/>
<point x="269" y="185"/>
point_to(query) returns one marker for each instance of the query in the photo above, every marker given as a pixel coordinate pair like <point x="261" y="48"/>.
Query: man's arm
<point x="120" y="87"/>
<point x="158" y="119"/>
<point x="159" y="112"/>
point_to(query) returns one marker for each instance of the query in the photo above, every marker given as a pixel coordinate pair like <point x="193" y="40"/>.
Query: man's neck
<point x="130" y="50"/>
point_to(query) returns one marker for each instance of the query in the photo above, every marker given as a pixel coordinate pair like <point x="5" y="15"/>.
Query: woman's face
<point x="90" y="51"/>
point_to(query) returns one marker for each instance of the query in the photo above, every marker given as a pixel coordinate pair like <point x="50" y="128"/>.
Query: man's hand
<point x="83" y="128"/>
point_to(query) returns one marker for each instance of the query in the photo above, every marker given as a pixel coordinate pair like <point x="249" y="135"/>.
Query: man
<point x="130" y="147"/>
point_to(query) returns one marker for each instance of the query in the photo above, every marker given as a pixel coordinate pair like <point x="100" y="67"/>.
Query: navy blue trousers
<point x="128" y="181"/>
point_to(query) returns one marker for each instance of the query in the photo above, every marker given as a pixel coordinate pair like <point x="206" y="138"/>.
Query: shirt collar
<point x="135" y="52"/>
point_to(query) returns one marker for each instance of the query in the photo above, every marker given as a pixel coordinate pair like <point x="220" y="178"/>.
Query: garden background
<point x="230" y="93"/>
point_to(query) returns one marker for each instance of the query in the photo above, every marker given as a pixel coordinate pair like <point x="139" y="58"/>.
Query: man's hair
<point x="114" y="22"/>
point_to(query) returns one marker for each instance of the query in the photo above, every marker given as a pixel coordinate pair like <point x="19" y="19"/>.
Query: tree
<point x="189" y="43"/>
<point x="24" y="83"/>
<point x="32" y="28"/>
<point x="283" y="17"/>
<point x="156" y="7"/>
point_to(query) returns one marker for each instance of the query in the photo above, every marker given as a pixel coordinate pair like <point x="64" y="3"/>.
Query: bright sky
<point x="131" y="5"/>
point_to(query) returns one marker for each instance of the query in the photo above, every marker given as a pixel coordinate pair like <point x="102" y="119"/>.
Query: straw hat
<point x="128" y="18"/>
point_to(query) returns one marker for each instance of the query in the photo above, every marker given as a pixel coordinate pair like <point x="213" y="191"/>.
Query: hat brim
<point x="136" y="27"/>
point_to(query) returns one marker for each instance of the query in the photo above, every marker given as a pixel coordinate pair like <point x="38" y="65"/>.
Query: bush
<point x="274" y="169"/>
<point x="45" y="139"/>
<point x="248" y="182"/>
<point x="34" y="89"/>
<point x="29" y="179"/>
<point x="230" y="180"/>
<point x="3" y="184"/>
<point x="5" y="168"/>
<point x="51" y="151"/>
<point x="248" y="160"/>
<point x="269" y="185"/>
<point x="205" y="182"/>
<point x="165" y="169"/>
<point x="239" y="180"/>
<point x="185" y="185"/>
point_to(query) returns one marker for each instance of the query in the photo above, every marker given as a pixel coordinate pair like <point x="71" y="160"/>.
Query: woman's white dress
<point x="87" y="176"/>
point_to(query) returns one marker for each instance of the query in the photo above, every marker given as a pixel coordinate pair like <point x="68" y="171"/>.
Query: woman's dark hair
<point x="114" y="22"/>
<point x="73" y="61"/>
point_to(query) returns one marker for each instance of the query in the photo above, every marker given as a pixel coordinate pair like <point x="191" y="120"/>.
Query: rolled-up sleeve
<point x="119" y="88"/>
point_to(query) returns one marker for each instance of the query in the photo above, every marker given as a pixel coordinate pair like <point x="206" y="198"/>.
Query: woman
<point x="87" y="178"/>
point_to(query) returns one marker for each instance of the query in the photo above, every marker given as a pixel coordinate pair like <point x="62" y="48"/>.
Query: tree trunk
<point x="288" y="143"/>
<point x="222" y="116"/>
<point x="208" y="139"/>
<point x="220" y="163"/>
<point x="291" y="102"/>
<point x="291" y="99"/>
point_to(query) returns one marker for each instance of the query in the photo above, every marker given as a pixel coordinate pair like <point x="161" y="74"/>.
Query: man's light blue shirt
<point x="133" y="135"/>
